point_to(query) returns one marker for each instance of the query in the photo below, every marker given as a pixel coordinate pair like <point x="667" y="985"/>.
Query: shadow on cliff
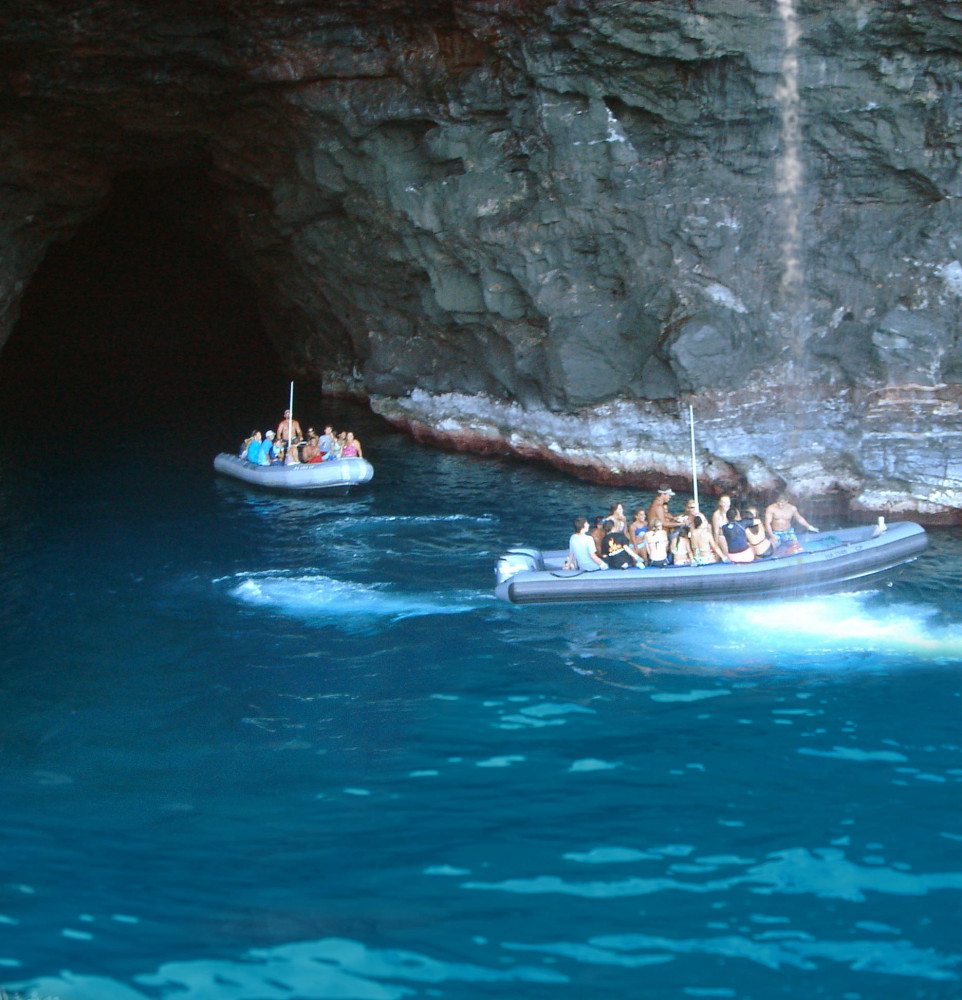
<point x="141" y="320"/>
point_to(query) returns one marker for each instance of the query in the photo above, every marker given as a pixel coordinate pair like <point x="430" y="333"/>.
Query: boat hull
<point x="841" y="559"/>
<point x="338" y="476"/>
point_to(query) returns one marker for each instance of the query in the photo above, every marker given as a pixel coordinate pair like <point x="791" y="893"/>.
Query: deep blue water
<point x="259" y="747"/>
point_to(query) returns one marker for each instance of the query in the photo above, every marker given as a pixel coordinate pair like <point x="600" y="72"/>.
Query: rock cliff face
<point x="551" y="227"/>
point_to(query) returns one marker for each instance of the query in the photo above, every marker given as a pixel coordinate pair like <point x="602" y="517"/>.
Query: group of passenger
<point x="288" y="445"/>
<point x="657" y="538"/>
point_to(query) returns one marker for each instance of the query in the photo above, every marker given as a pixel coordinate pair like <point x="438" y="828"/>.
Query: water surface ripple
<point x="259" y="747"/>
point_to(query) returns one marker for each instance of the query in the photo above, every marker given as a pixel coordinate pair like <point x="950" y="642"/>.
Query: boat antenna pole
<point x="694" y="469"/>
<point x="290" y="418"/>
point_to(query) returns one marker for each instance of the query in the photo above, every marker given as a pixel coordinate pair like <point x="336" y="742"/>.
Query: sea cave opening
<point x="142" y="319"/>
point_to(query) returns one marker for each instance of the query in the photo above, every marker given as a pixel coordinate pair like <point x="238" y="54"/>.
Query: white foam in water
<point x="318" y="596"/>
<point x="840" y="622"/>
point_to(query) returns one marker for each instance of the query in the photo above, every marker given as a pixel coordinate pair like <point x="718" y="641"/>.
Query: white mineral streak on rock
<point x="641" y="442"/>
<point x="951" y="274"/>
<point x="726" y="297"/>
<point x="788" y="169"/>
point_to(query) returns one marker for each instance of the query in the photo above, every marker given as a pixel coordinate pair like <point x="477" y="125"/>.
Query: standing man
<point x="658" y="511"/>
<point x="778" y="525"/>
<point x="288" y="428"/>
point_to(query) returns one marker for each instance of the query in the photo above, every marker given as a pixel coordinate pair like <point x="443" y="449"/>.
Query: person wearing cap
<point x="658" y="511"/>
<point x="267" y="449"/>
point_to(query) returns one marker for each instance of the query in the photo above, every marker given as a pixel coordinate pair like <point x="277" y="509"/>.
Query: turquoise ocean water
<point x="259" y="747"/>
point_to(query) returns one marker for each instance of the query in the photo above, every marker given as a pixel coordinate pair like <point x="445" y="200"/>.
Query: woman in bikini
<point x="637" y="529"/>
<point x="656" y="545"/>
<point x="757" y="538"/>
<point x="681" y="550"/>
<point x="705" y="550"/>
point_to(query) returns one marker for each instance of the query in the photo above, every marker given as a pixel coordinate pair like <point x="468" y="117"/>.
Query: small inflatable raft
<point x="829" y="561"/>
<point x="337" y="476"/>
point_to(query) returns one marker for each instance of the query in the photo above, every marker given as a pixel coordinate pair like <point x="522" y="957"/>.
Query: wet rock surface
<point x="549" y="228"/>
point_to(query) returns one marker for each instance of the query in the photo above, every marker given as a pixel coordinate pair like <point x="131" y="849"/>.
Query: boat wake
<point x="331" y="601"/>
<point x="805" y="630"/>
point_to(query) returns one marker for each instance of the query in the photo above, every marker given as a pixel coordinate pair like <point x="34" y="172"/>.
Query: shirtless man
<point x="658" y="511"/>
<point x="720" y="517"/>
<point x="778" y="525"/>
<point x="287" y="425"/>
<point x="598" y="532"/>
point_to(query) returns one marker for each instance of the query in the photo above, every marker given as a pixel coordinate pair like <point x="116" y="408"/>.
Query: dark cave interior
<point x="140" y="318"/>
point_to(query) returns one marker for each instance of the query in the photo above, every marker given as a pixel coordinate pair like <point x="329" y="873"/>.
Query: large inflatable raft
<point x="337" y="476"/>
<point x="829" y="561"/>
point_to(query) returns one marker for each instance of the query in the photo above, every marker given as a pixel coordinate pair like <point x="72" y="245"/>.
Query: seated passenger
<point x="636" y="530"/>
<point x="616" y="550"/>
<point x="310" y="452"/>
<point x="290" y="456"/>
<point x="581" y="549"/>
<point x="325" y="442"/>
<point x="351" y="447"/>
<point x="719" y="517"/>
<point x="778" y="525"/>
<point x="617" y="514"/>
<point x="755" y="533"/>
<point x="266" y="455"/>
<point x="269" y="450"/>
<point x="733" y="541"/>
<point x="656" y="544"/>
<point x="705" y="550"/>
<point x="597" y="532"/>
<point x="253" y="454"/>
<point x="681" y="550"/>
